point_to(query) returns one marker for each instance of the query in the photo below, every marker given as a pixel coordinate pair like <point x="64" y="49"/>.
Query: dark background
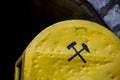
<point x="20" y="29"/>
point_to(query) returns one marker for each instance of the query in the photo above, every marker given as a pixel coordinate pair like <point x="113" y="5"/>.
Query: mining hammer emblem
<point x="85" y="47"/>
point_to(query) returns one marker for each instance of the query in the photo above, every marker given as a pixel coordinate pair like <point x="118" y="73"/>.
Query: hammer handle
<point x="72" y="57"/>
<point x="82" y="58"/>
<point x="76" y="55"/>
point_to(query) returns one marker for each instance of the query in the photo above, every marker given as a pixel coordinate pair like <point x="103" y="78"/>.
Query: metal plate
<point x="47" y="56"/>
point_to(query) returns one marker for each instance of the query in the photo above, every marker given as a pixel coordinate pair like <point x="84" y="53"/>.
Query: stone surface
<point x="109" y="10"/>
<point x="98" y="4"/>
<point x="113" y="16"/>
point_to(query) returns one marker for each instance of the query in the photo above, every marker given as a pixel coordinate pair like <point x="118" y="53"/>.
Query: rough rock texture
<point x="109" y="10"/>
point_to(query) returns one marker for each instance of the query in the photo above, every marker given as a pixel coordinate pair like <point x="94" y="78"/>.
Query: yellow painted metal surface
<point x="46" y="57"/>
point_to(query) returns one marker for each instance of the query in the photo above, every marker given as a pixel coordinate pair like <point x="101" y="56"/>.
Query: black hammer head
<point x="71" y="45"/>
<point x="85" y="47"/>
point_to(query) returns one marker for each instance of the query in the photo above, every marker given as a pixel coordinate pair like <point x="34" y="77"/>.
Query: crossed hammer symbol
<point x="78" y="52"/>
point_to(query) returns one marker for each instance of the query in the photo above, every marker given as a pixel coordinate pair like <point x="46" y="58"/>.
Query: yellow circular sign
<point x="73" y="50"/>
